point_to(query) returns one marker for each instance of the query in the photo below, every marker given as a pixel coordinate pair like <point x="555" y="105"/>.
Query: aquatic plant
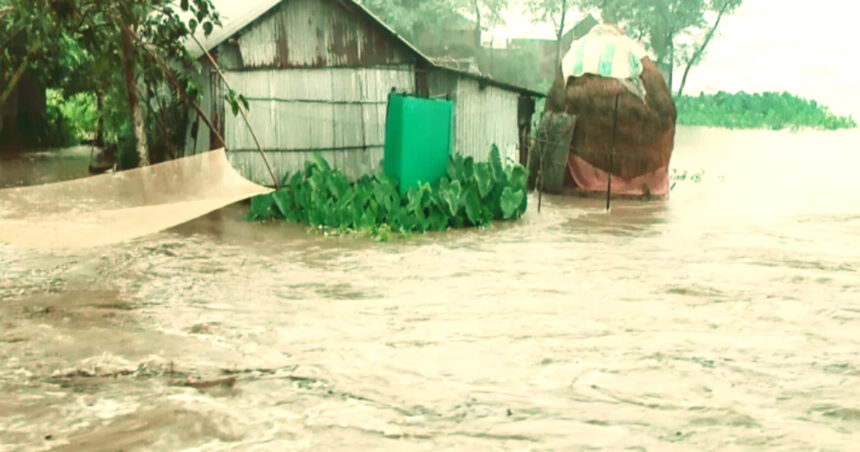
<point x="768" y="110"/>
<point x="469" y="194"/>
<point x="678" y="176"/>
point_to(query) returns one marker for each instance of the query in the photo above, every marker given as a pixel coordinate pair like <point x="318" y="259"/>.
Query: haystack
<point x="591" y="77"/>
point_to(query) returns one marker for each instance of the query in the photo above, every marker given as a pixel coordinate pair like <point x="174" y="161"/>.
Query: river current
<point x="724" y="318"/>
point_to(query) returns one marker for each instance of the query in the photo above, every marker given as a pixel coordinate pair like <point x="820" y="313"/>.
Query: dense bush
<point x="69" y="120"/>
<point x="470" y="194"/>
<point x="761" y="110"/>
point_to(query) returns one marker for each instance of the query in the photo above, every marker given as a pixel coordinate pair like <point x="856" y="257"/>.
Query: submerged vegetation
<point x="761" y="110"/>
<point x="469" y="194"/>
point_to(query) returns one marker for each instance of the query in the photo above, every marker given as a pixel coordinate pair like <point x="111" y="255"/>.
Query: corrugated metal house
<point x="317" y="75"/>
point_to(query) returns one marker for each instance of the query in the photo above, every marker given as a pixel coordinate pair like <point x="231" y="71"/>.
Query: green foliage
<point x="470" y="194"/>
<point x="236" y="101"/>
<point x="58" y="131"/>
<point x="660" y="22"/>
<point x="761" y="110"/>
<point x="70" y="120"/>
<point x="78" y="45"/>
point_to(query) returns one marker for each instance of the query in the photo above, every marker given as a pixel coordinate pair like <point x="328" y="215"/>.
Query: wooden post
<point x="612" y="155"/>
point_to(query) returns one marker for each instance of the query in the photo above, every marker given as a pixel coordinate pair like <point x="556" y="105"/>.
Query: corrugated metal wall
<point x="483" y="115"/>
<point x="339" y="112"/>
<point x="318" y="33"/>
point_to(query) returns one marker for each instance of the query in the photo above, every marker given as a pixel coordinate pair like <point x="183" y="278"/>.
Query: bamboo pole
<point x="241" y="109"/>
<point x="612" y="155"/>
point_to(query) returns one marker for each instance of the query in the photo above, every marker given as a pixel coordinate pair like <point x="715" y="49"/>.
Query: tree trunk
<point x="135" y="108"/>
<point x="671" y="59"/>
<point x="560" y="33"/>
<point x="701" y="48"/>
<point x="99" y="140"/>
<point x="477" y="7"/>
<point x="16" y="77"/>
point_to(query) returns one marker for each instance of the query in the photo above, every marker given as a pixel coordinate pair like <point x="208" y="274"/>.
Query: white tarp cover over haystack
<point x="113" y="208"/>
<point x="607" y="52"/>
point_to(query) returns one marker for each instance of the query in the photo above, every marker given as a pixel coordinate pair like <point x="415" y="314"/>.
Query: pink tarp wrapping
<point x="590" y="178"/>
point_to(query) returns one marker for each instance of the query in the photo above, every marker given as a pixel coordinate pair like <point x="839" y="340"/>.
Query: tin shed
<point x="317" y="75"/>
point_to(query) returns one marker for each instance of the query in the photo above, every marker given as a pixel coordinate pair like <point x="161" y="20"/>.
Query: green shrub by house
<point x="470" y="194"/>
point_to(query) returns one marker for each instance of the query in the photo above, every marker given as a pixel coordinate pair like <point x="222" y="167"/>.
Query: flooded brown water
<point x="727" y="317"/>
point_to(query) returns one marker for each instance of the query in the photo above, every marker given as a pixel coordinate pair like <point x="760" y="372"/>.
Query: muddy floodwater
<point x="727" y="317"/>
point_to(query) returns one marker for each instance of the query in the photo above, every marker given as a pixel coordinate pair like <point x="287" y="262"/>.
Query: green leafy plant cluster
<point x="70" y="120"/>
<point x="470" y="194"/>
<point x="757" y="111"/>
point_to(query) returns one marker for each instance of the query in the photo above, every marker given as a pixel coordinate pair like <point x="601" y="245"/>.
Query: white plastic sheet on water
<point x="116" y="207"/>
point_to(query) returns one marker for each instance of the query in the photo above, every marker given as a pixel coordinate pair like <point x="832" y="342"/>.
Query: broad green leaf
<point x="484" y="179"/>
<point x="414" y="203"/>
<point x="297" y="179"/>
<point x="451" y="197"/>
<point x="368" y="220"/>
<point x="283" y="200"/>
<point x="517" y="177"/>
<point x="339" y="185"/>
<point x="317" y="182"/>
<point x="510" y="202"/>
<point x="262" y="207"/>
<point x="285" y="180"/>
<point x="320" y="162"/>
<point x="468" y="168"/>
<point x="496" y="161"/>
<point x="473" y="207"/>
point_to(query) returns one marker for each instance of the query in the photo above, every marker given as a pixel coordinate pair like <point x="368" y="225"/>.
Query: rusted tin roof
<point x="236" y="19"/>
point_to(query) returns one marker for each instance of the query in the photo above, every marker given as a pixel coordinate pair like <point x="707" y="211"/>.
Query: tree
<point x="663" y="25"/>
<point x="486" y="9"/>
<point x="109" y="34"/>
<point x="155" y="23"/>
<point x="554" y="11"/>
<point x="722" y="7"/>
<point x="659" y="23"/>
<point x="26" y="31"/>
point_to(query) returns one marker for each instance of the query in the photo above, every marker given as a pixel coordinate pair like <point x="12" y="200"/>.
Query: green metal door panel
<point x="417" y="140"/>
